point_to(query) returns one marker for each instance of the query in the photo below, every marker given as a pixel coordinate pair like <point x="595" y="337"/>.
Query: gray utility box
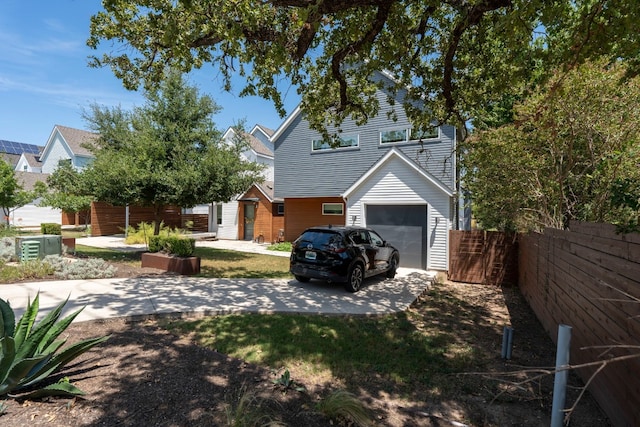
<point x="48" y="244"/>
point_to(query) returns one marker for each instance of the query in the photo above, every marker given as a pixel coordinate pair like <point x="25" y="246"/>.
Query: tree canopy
<point x="68" y="191"/>
<point x="571" y="153"/>
<point x="456" y="55"/>
<point x="167" y="152"/>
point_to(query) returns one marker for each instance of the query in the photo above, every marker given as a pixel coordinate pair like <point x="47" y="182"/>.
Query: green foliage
<point x="455" y="56"/>
<point x="166" y="153"/>
<point x="285" y="382"/>
<point x="560" y="159"/>
<point x="69" y="190"/>
<point x="7" y="249"/>
<point x="280" y="247"/>
<point x="51" y="228"/>
<point x="31" y="352"/>
<point x="174" y="245"/>
<point x="345" y="408"/>
<point x="92" y="268"/>
<point x="144" y="231"/>
<point x="625" y="198"/>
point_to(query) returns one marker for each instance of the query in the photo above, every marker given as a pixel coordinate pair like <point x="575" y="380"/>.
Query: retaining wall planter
<point x="180" y="265"/>
<point x="70" y="243"/>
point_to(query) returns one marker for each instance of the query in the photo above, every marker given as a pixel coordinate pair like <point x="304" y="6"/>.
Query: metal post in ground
<point x="562" y="373"/>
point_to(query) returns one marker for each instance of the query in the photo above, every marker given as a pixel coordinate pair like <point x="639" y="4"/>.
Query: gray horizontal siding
<point x="303" y="173"/>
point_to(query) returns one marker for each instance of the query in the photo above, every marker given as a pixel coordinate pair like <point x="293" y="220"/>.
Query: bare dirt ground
<point x="145" y="376"/>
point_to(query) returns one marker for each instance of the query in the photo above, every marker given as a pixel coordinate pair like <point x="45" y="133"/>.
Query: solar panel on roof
<point x="12" y="147"/>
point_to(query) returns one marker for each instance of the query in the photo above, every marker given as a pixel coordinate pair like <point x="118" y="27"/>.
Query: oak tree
<point x="457" y="56"/>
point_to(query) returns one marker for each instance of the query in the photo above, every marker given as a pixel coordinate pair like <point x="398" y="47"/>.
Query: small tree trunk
<point x="157" y="215"/>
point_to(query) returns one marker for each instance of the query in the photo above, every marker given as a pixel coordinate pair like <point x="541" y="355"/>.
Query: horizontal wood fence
<point x="589" y="278"/>
<point x="487" y="257"/>
<point x="107" y="220"/>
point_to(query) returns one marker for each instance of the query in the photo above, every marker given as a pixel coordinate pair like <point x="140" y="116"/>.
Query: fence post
<point x="562" y="372"/>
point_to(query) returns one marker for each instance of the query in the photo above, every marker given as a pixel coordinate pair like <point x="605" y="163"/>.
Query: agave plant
<point x="28" y="351"/>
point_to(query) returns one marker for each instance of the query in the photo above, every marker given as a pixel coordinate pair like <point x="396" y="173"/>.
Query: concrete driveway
<point x="188" y="296"/>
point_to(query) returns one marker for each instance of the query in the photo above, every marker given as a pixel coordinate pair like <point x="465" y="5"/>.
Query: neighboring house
<point x="29" y="162"/>
<point x="32" y="215"/>
<point x="262" y="214"/>
<point x="234" y="220"/>
<point x="69" y="144"/>
<point x="24" y="158"/>
<point x="385" y="175"/>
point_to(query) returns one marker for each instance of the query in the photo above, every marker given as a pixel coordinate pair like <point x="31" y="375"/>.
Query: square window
<point x="332" y="208"/>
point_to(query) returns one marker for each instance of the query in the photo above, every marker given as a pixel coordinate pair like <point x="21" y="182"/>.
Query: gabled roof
<point x="12" y="159"/>
<point x="256" y="145"/>
<point x="265" y="130"/>
<point x="28" y="179"/>
<point x="394" y="153"/>
<point x="298" y="110"/>
<point x="266" y="188"/>
<point x="32" y="159"/>
<point x="77" y="139"/>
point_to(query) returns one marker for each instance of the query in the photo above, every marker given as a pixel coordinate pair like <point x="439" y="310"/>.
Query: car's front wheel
<point x="393" y="266"/>
<point x="354" y="278"/>
<point x="302" y="278"/>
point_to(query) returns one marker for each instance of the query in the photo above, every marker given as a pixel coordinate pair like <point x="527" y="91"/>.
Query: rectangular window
<point x="345" y="141"/>
<point x="219" y="213"/>
<point x="391" y="136"/>
<point x="430" y="132"/>
<point x="280" y="208"/>
<point x="332" y="208"/>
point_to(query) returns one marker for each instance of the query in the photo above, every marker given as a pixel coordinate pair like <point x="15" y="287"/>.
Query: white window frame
<point x="408" y="137"/>
<point x="219" y="213"/>
<point x="331" y="211"/>
<point x="437" y="129"/>
<point x="324" y="145"/>
<point x="397" y="141"/>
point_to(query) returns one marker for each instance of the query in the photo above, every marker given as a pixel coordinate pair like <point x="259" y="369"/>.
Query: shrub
<point x="281" y="247"/>
<point x="144" y="233"/>
<point x="92" y="268"/>
<point x="345" y="408"/>
<point x="51" y="228"/>
<point x="174" y="245"/>
<point x="29" y="353"/>
<point x="7" y="249"/>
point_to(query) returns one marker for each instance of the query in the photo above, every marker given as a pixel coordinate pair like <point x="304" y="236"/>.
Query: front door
<point x="249" y="220"/>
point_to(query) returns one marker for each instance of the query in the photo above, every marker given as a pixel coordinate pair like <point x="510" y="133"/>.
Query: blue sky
<point x="45" y="80"/>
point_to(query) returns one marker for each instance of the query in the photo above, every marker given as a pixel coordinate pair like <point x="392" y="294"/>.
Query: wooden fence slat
<point x="589" y="278"/>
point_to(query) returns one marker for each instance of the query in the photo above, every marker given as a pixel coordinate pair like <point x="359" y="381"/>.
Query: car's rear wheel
<point x="354" y="278"/>
<point x="393" y="266"/>
<point x="302" y="278"/>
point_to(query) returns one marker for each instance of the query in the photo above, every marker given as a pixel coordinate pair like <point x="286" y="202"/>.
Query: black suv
<point x="342" y="254"/>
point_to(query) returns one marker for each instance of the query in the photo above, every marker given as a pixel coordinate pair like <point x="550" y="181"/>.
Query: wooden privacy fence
<point x="107" y="220"/>
<point x="589" y="278"/>
<point x="487" y="257"/>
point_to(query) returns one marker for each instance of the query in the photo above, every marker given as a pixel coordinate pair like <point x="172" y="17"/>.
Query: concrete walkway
<point x="188" y="296"/>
